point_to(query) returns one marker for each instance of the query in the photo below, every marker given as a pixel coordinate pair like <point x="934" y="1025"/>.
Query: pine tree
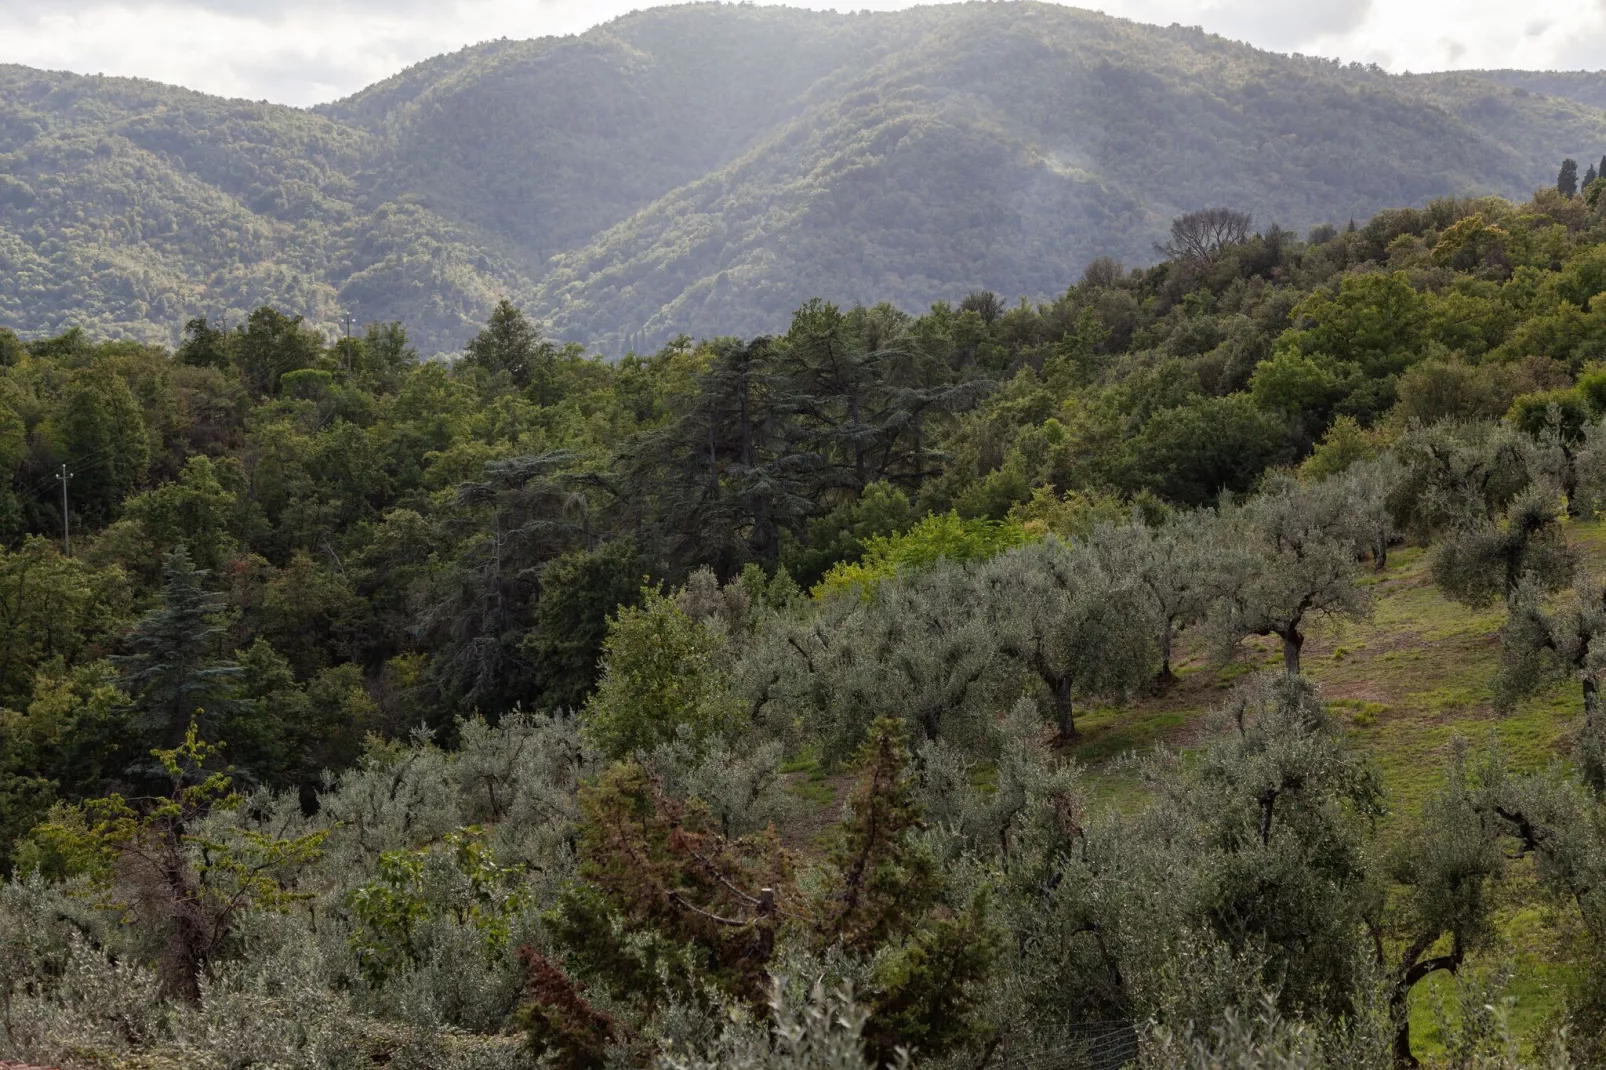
<point x="1567" y="181"/>
<point x="883" y="899"/>
<point x="174" y="672"/>
<point x="657" y="873"/>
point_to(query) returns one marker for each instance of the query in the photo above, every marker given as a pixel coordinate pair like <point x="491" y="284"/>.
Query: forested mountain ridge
<point x="691" y="169"/>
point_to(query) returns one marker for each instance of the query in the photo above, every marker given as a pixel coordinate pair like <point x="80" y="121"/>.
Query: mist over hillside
<point x="696" y="168"/>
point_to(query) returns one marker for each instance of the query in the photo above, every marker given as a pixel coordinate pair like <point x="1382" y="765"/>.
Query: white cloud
<point x="307" y="51"/>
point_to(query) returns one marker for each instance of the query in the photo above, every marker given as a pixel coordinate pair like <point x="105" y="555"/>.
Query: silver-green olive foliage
<point x="1069" y="623"/>
<point x="947" y="647"/>
<point x="1540" y="643"/>
<point x="1289" y="560"/>
<point x="918" y="650"/>
<point x="1246" y="871"/>
<point x="1172" y="570"/>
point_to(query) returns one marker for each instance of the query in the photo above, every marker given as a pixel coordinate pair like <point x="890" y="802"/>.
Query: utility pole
<point x="66" y="529"/>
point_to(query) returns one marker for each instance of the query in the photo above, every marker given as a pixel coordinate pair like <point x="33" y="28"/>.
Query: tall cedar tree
<point x="510" y="344"/>
<point x="174" y="670"/>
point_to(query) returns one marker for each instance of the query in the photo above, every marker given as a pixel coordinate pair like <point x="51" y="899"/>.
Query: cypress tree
<point x="1567" y="180"/>
<point x="1590" y="174"/>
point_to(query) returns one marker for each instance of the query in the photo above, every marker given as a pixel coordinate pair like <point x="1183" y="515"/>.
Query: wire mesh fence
<point x="1093" y="1046"/>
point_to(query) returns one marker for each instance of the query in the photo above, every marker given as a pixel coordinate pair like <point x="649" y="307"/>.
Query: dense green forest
<point x="726" y="705"/>
<point x="693" y="169"/>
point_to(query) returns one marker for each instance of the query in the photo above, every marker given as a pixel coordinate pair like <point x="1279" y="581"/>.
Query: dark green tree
<point x="883" y="893"/>
<point x="271" y="344"/>
<point x="527" y="511"/>
<point x="580" y="591"/>
<point x="384" y="355"/>
<point x="174" y="670"/>
<point x="1567" y="180"/>
<point x="103" y="440"/>
<point x="731" y="472"/>
<point x="512" y="345"/>
<point x="204" y="346"/>
<point x="11" y="349"/>
<point x="833" y="377"/>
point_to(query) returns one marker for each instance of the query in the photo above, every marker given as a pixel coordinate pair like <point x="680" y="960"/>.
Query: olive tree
<point x="1481" y="561"/>
<point x="1458" y="474"/>
<point x="1172" y="568"/>
<point x="1589" y="470"/>
<point x="1561" y="823"/>
<point x="1289" y="560"/>
<point x="917" y="649"/>
<point x="1074" y="625"/>
<point x="1247" y="870"/>
<point x="1447" y="870"/>
<point x="1538" y="643"/>
<point x="1374" y="487"/>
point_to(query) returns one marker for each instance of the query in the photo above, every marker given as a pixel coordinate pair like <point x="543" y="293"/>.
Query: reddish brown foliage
<point x="560" y="1020"/>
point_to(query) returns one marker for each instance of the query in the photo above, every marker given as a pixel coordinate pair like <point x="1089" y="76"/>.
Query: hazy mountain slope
<point x="1583" y="87"/>
<point x="1010" y="144"/>
<point x="549" y="142"/>
<point x="126" y="206"/>
<point x="705" y="168"/>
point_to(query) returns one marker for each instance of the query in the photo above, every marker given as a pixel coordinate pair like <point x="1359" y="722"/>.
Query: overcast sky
<point x="308" y="51"/>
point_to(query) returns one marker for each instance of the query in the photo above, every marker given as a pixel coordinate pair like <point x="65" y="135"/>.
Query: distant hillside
<point x="1583" y="87"/>
<point x="698" y="168"/>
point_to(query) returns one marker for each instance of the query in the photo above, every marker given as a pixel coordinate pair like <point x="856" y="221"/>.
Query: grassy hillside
<point x="1408" y="682"/>
<point x="695" y="168"/>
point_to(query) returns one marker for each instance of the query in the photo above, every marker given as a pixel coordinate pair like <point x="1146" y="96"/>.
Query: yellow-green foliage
<point x="941" y="537"/>
<point x="457" y="878"/>
<point x="661" y="675"/>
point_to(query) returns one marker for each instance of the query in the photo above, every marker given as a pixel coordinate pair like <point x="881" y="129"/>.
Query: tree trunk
<point x="1380" y="552"/>
<point x="1268" y="803"/>
<point x="1293" y="643"/>
<point x="1167" y="639"/>
<point x="1412" y="970"/>
<point x="1064" y="708"/>
<point x="1591" y="699"/>
<point x="184" y="955"/>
